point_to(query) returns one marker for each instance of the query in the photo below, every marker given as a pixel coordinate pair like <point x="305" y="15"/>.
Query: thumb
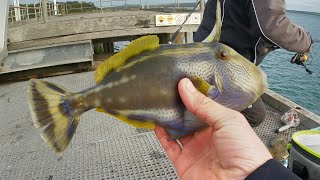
<point x="203" y="107"/>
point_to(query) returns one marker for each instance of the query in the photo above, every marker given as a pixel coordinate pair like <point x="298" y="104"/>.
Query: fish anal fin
<point x="135" y="123"/>
<point x="136" y="47"/>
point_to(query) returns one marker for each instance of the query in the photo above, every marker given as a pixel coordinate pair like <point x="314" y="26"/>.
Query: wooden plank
<point x="189" y="37"/>
<point x="115" y="39"/>
<point x="79" y="26"/>
<point x="45" y="72"/>
<point x="99" y="35"/>
<point x="3" y="29"/>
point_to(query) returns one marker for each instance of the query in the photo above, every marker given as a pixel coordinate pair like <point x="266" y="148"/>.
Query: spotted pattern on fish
<point x="234" y="99"/>
<point x="159" y="115"/>
<point x="128" y="85"/>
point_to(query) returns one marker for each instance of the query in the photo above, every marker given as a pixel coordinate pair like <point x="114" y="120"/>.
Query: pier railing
<point x="33" y="9"/>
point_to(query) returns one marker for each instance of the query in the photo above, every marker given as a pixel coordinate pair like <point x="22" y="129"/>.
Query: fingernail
<point x="189" y="86"/>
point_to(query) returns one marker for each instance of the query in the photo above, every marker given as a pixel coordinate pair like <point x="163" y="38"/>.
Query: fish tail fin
<point x="51" y="107"/>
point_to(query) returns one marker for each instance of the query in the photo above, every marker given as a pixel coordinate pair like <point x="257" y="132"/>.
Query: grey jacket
<point x="254" y="27"/>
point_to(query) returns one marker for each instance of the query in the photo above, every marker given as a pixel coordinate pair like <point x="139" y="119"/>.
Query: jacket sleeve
<point x="272" y="170"/>
<point x="208" y="21"/>
<point x="278" y="28"/>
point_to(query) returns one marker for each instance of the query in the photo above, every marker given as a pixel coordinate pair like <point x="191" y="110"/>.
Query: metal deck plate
<point x="267" y="129"/>
<point x="102" y="148"/>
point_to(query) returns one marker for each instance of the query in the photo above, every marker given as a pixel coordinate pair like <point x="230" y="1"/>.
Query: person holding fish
<point x="254" y="28"/>
<point x="138" y="86"/>
<point x="227" y="149"/>
<point x="145" y="85"/>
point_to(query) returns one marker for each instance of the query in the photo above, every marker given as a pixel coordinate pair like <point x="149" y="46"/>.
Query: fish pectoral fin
<point x="133" y="122"/>
<point x="202" y="85"/>
<point x="218" y="80"/>
<point x="135" y="48"/>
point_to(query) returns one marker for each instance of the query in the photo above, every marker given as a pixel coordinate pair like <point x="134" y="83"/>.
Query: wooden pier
<point x="110" y="26"/>
<point x="36" y="37"/>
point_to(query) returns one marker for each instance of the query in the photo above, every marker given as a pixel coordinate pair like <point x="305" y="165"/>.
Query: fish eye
<point x="222" y="54"/>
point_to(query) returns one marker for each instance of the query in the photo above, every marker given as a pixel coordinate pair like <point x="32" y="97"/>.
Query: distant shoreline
<point x="304" y="12"/>
<point x="181" y="5"/>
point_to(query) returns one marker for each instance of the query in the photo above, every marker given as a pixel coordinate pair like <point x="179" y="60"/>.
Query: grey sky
<point x="304" y="5"/>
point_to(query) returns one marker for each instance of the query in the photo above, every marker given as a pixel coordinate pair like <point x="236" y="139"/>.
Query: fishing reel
<point x="300" y="59"/>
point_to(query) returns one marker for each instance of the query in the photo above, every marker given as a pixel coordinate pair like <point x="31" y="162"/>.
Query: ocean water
<point x="291" y="80"/>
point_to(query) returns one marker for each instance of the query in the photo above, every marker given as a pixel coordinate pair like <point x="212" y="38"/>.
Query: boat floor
<point x="103" y="147"/>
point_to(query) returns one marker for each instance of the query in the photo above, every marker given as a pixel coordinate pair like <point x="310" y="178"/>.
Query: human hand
<point x="227" y="149"/>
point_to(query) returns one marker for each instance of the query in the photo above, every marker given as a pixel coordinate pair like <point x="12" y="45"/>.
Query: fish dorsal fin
<point x="136" y="47"/>
<point x="132" y="122"/>
<point x="214" y="36"/>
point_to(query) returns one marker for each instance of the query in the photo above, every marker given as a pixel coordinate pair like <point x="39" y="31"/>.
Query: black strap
<point x="300" y="170"/>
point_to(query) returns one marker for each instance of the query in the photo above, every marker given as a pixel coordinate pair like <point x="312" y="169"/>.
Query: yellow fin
<point x="134" y="123"/>
<point x="202" y="85"/>
<point x="136" y="47"/>
<point x="48" y="108"/>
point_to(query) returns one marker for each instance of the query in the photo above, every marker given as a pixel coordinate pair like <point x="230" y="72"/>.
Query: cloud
<point x="300" y="5"/>
<point x="303" y="5"/>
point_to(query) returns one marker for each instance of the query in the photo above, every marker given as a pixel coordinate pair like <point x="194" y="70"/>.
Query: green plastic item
<point x="304" y="159"/>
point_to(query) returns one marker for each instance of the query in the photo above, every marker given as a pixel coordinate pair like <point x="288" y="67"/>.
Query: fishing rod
<point x="316" y="41"/>
<point x="177" y="32"/>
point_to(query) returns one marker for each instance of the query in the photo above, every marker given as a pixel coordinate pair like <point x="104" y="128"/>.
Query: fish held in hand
<point x="139" y="86"/>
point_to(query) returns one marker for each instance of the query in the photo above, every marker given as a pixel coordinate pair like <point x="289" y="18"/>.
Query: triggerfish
<point x="138" y="85"/>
